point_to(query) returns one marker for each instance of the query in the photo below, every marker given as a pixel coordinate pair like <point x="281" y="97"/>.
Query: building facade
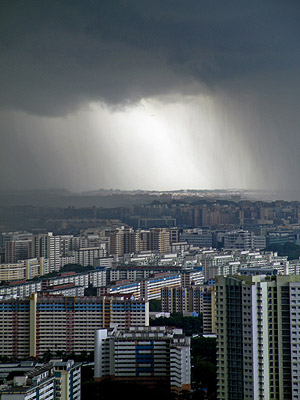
<point x="31" y="327"/>
<point x="36" y="384"/>
<point x="145" y="355"/>
<point x="199" y="299"/>
<point x="147" y="289"/>
<point x="68" y="379"/>
<point x="56" y="380"/>
<point x="24" y="269"/>
<point x="258" y="342"/>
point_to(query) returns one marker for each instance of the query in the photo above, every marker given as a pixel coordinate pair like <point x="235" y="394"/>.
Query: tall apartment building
<point x="160" y="240"/>
<point x="191" y="277"/>
<point x="197" y="237"/>
<point x="258" y="342"/>
<point x="12" y="236"/>
<point x="122" y="241"/>
<point x="32" y="326"/>
<point x="65" y="244"/>
<point x="151" y="287"/>
<point x="68" y="379"/>
<point x="244" y="240"/>
<point x="199" y="299"/>
<point x="154" y="239"/>
<point x="241" y="240"/>
<point x="174" y="235"/>
<point x="143" y="240"/>
<point x="16" y="246"/>
<point x="135" y="273"/>
<point x="206" y="296"/>
<point x="48" y="246"/>
<point x="212" y="262"/>
<point x="87" y="255"/>
<point x="144" y="355"/>
<point x="259" y="242"/>
<point x="20" y="289"/>
<point x="16" y="250"/>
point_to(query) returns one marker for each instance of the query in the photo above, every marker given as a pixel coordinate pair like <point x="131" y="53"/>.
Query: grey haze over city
<point x="150" y="95"/>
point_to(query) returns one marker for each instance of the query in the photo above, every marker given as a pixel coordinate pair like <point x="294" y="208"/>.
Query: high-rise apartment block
<point x="30" y="327"/>
<point x="25" y="288"/>
<point x="197" y="237"/>
<point x="160" y="240"/>
<point x="144" y="354"/>
<point x="48" y="246"/>
<point x="122" y="241"/>
<point x="87" y="255"/>
<point x="258" y="342"/>
<point x="68" y="379"/>
<point x="240" y="239"/>
<point x="198" y="299"/>
<point x="17" y="250"/>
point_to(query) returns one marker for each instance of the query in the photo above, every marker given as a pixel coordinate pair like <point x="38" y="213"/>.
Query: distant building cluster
<point x="26" y="255"/>
<point x="246" y="295"/>
<point x="188" y="212"/>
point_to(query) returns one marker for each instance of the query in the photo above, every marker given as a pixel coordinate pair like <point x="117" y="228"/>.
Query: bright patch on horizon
<point x="162" y="146"/>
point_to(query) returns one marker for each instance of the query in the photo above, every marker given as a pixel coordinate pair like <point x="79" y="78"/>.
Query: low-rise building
<point x="56" y="380"/>
<point x="68" y="379"/>
<point x="59" y="284"/>
<point x="148" y="289"/>
<point x="24" y="269"/>
<point x="35" y="384"/>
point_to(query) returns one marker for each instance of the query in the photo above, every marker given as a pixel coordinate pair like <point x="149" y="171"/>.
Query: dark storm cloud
<point x="57" y="56"/>
<point x="222" y="77"/>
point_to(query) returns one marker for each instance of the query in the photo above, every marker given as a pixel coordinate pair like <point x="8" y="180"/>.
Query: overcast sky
<point x="160" y="94"/>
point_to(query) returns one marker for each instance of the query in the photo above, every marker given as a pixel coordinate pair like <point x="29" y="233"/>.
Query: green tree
<point x="76" y="268"/>
<point x="190" y="325"/>
<point x="204" y="377"/>
<point x="204" y="348"/>
<point x="155" y="305"/>
<point x="47" y="356"/>
<point x="289" y="249"/>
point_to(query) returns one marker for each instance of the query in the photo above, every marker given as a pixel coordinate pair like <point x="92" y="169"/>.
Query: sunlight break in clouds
<point x="193" y="142"/>
<point x="182" y="144"/>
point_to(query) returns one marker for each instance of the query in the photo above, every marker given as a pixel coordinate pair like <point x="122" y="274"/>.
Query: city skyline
<point x="139" y="95"/>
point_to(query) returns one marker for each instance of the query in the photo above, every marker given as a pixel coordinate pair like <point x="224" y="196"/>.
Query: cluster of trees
<point x="110" y="389"/>
<point x="155" y="305"/>
<point x="84" y="356"/>
<point x="289" y="249"/>
<point x="204" y="370"/>
<point x="189" y="325"/>
<point x="77" y="268"/>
